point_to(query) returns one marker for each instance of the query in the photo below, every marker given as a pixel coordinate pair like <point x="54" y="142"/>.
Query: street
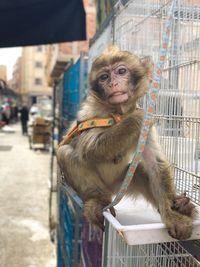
<point x="24" y="192"/>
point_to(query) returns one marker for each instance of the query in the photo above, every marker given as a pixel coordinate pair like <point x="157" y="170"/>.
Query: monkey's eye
<point x="103" y="77"/>
<point x="122" y="71"/>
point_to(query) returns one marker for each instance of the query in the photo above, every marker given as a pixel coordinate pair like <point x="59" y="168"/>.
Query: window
<point x="38" y="81"/>
<point x="39" y="48"/>
<point x="38" y="64"/>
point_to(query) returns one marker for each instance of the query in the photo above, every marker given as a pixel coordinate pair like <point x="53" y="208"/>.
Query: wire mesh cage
<point x="118" y="254"/>
<point x="138" y="27"/>
<point x="178" y="106"/>
<point x="68" y="230"/>
<point x="78" y="244"/>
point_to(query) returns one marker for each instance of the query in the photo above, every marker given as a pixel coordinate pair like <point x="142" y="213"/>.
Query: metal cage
<point x="137" y="26"/>
<point x="118" y="254"/>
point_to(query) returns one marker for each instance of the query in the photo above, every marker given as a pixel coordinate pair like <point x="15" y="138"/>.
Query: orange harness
<point x="91" y="123"/>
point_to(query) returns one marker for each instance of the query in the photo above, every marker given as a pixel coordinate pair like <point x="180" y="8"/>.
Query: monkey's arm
<point x="104" y="143"/>
<point x="85" y="181"/>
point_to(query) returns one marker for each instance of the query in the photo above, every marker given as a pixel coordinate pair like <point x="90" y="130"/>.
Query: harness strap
<point x="91" y="123"/>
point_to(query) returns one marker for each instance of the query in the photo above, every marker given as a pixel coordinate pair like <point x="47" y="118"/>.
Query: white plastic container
<point x="139" y="223"/>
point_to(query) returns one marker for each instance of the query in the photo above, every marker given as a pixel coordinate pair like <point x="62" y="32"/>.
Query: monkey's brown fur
<point x="96" y="161"/>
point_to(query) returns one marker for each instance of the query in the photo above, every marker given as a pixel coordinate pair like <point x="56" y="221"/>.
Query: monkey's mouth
<point x="118" y="97"/>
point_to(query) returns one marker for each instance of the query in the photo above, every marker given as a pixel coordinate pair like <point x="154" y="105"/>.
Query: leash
<point x="151" y="101"/>
<point x="70" y="191"/>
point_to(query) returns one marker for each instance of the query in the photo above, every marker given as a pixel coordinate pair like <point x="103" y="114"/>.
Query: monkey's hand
<point x="105" y="143"/>
<point x="183" y="205"/>
<point x="93" y="209"/>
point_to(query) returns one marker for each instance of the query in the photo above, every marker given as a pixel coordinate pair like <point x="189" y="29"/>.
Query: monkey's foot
<point x="179" y="226"/>
<point x="93" y="209"/>
<point x="183" y="205"/>
<point x="181" y="229"/>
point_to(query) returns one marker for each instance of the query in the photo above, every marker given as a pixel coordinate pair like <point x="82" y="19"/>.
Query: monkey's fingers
<point x="99" y="222"/>
<point x="112" y="211"/>
<point x="93" y="212"/>
<point x="180" y="201"/>
<point x="182" y="205"/>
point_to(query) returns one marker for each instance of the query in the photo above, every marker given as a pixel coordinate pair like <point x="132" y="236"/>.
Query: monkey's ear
<point x="148" y="64"/>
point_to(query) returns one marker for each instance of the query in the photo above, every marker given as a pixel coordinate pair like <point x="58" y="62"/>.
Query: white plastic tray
<point x="139" y="223"/>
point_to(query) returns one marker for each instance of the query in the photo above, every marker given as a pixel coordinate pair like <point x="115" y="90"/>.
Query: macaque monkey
<point x="95" y="161"/>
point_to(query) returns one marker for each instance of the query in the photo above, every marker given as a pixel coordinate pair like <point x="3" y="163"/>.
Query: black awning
<point x="33" y="22"/>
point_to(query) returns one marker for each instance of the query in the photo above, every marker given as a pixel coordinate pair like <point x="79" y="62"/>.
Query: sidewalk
<point x="24" y="192"/>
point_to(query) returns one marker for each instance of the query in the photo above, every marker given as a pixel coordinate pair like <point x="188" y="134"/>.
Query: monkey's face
<point x="115" y="84"/>
<point x="118" y="77"/>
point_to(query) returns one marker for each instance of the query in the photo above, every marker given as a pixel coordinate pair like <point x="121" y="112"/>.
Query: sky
<point x="8" y="57"/>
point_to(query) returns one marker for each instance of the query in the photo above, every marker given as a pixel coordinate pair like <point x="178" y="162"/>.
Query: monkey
<point x="95" y="160"/>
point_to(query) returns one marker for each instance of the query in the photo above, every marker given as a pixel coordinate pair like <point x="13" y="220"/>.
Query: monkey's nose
<point x="112" y="84"/>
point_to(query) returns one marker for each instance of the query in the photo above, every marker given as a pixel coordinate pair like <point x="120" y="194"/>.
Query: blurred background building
<point x="3" y="73"/>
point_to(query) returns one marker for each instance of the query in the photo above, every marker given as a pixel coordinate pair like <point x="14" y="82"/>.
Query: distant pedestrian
<point x="24" y="119"/>
<point x="6" y="113"/>
<point x="15" y="113"/>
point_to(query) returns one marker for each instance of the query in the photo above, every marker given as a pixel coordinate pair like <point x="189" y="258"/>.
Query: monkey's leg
<point x="85" y="181"/>
<point x="179" y="225"/>
<point x="178" y="221"/>
<point x="162" y="198"/>
<point x="140" y="185"/>
<point x="161" y="195"/>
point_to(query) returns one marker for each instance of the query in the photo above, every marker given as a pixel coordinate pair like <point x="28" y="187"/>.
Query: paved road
<point x="24" y="233"/>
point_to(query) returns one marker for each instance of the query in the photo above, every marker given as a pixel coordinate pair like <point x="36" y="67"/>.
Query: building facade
<point x="33" y="74"/>
<point x="3" y="73"/>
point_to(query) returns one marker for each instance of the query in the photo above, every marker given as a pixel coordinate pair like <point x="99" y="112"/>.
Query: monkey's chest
<point x="117" y="159"/>
<point x="115" y="169"/>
